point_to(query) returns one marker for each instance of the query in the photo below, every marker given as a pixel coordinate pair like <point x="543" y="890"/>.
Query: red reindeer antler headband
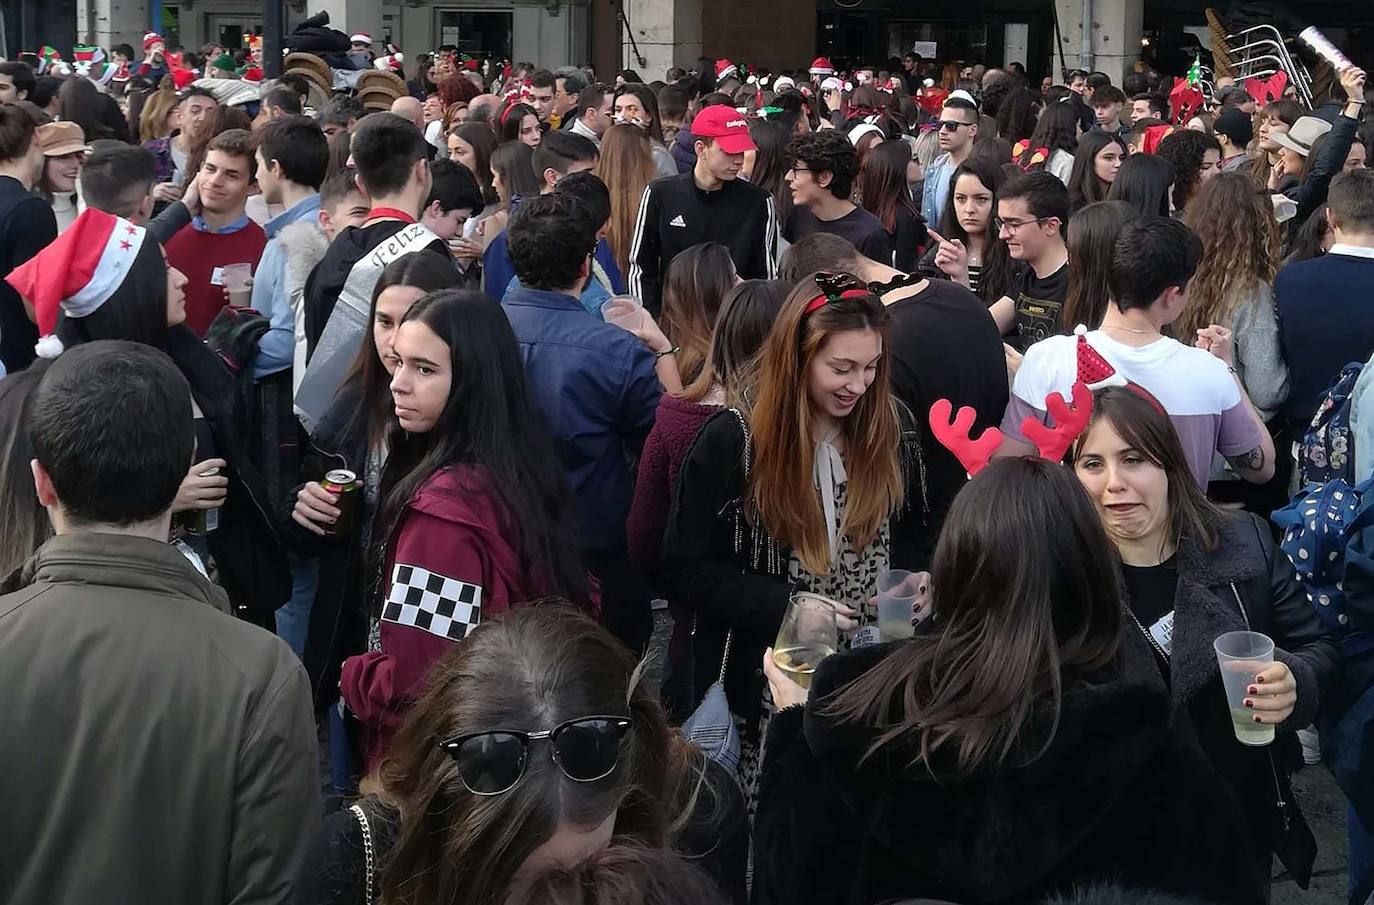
<point x="1053" y="442"/>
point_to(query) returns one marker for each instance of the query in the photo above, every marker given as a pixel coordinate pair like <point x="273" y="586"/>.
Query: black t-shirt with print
<point x="1152" y="590"/>
<point x="1038" y="301"/>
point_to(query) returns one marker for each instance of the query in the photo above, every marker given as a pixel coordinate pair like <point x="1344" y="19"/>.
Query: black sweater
<point x="675" y="215"/>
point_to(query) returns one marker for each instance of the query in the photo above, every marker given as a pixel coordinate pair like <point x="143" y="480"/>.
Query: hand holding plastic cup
<point x="1242" y="656"/>
<point x="899" y="592"/>
<point x="625" y="311"/>
<point x="238" y="282"/>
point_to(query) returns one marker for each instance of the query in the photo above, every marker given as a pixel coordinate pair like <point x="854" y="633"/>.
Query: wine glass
<point x="807" y="636"/>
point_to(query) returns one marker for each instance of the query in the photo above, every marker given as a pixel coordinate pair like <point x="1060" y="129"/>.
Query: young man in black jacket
<point x="709" y="204"/>
<point x="27" y="225"/>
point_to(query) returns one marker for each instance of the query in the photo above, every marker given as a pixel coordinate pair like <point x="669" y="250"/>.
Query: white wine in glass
<point x="807" y="636"/>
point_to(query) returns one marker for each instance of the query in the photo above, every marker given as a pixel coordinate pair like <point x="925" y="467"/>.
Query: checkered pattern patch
<point x="432" y="602"/>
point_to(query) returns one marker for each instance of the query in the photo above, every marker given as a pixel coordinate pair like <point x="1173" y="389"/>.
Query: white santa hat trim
<point x="361" y="38"/>
<point x="110" y="272"/>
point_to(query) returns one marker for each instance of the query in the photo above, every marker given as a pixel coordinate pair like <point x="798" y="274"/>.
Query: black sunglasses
<point x="489" y="763"/>
<point x="951" y="125"/>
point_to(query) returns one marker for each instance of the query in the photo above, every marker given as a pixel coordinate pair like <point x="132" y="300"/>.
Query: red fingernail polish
<point x="1257" y="719"/>
<point x="1253" y="690"/>
<point x="1259" y="680"/>
<point x="1249" y="703"/>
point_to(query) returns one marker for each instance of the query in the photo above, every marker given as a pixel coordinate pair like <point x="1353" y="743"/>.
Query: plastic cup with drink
<point x="625" y="311"/>
<point x="1242" y="656"/>
<point x="900" y="593"/>
<point x="238" y="282"/>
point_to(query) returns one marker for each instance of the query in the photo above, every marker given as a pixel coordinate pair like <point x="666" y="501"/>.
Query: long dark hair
<point x="529" y="669"/>
<point x="136" y="311"/>
<point x="1092" y="233"/>
<point x="745" y="319"/>
<point x="508" y="123"/>
<point x="1016" y="116"/>
<point x="1149" y="431"/>
<point x="1307" y="241"/>
<point x="96" y="114"/>
<point x="427" y="270"/>
<point x="25" y="526"/>
<point x="1084" y="185"/>
<point x="516" y="167"/>
<point x="771" y="162"/>
<point x="1056" y="130"/>
<point x="490" y="421"/>
<point x="1143" y="182"/>
<point x="998" y="267"/>
<point x="649" y="102"/>
<point x="882" y="182"/>
<point x="483" y="142"/>
<point x="1017" y="624"/>
<point x="696" y="283"/>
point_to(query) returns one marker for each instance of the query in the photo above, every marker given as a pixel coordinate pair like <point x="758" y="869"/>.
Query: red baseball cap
<point x="727" y="126"/>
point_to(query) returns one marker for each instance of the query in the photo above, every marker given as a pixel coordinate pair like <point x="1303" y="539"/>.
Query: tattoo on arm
<point x="1250" y="461"/>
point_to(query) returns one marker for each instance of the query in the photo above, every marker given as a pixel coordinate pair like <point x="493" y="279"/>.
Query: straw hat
<point x="312" y="67"/>
<point x="377" y="89"/>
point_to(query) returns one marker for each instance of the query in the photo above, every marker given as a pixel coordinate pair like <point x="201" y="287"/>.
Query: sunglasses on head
<point x="489" y="763"/>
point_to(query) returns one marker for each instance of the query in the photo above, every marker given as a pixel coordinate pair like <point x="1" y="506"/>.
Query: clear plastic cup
<point x="1242" y="656"/>
<point x="238" y="282"/>
<point x="898" y="591"/>
<point x="625" y="311"/>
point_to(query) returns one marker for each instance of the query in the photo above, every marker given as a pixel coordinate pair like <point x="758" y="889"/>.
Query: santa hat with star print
<point x="1093" y="369"/>
<point x="725" y="69"/>
<point x="78" y="272"/>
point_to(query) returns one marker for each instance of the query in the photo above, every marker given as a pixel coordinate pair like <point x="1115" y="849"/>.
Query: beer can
<point x="344" y="483"/>
<point x="202" y="521"/>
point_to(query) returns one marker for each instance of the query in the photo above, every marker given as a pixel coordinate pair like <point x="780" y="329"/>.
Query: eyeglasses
<point x="491" y="763"/>
<point x="1012" y="226"/>
<point x="951" y="125"/>
<point x="799" y="169"/>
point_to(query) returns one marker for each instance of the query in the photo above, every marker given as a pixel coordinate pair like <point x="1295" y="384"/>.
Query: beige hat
<point x="377" y="79"/>
<point x="1303" y="133"/>
<point x="312" y="67"/>
<point x="61" y="138"/>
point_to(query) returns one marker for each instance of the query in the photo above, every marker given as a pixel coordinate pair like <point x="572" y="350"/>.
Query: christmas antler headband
<point x="1053" y="442"/>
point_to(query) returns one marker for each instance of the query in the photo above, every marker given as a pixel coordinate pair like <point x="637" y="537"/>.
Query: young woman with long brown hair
<point x="536" y="742"/>
<point x="969" y="212"/>
<point x="726" y="380"/>
<point x="1009" y="753"/>
<point x="626" y="165"/>
<point x="693" y="289"/>
<point x="1095" y="167"/>
<point x="1275" y="119"/>
<point x="1240" y="253"/>
<point x="882" y="191"/>
<point x="1192" y="572"/>
<point x="802" y="491"/>
<point x="1092" y="233"/>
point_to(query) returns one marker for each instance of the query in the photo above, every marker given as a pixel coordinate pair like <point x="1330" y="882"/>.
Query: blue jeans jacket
<point x="936" y="189"/>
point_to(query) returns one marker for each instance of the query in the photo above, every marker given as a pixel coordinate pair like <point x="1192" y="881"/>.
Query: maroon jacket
<point x="675" y="427"/>
<point x="448" y="567"/>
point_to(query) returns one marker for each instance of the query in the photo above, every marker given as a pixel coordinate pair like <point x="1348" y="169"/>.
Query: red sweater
<point x="196" y="254"/>
<point x="675" y="427"/>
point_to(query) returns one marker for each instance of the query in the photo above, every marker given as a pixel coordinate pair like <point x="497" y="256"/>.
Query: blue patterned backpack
<point x="1326" y="452"/>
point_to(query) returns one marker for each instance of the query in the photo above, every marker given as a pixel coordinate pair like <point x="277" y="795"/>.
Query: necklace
<point x="1134" y="330"/>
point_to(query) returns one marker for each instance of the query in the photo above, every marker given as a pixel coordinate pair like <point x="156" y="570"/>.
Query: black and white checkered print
<point x="432" y="602"/>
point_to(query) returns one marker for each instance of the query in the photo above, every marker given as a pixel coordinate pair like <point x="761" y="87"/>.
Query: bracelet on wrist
<point x="670" y="351"/>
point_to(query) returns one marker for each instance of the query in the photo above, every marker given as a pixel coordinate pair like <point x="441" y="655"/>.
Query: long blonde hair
<point x="781" y="490"/>
<point x="626" y="166"/>
<point x="1240" y="249"/>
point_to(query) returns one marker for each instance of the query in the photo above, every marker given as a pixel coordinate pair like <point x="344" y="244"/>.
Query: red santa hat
<point x="361" y="37"/>
<point x="725" y="69"/>
<point x="821" y="66"/>
<point x="151" y="40"/>
<point x="252" y="74"/>
<point x="77" y="272"/>
<point x="183" y="77"/>
<point x="1093" y="369"/>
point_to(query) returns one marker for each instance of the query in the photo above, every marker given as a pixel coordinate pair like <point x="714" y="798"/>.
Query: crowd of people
<point x="523" y="406"/>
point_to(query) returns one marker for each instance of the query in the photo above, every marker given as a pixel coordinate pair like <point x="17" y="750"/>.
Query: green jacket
<point x="155" y="749"/>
